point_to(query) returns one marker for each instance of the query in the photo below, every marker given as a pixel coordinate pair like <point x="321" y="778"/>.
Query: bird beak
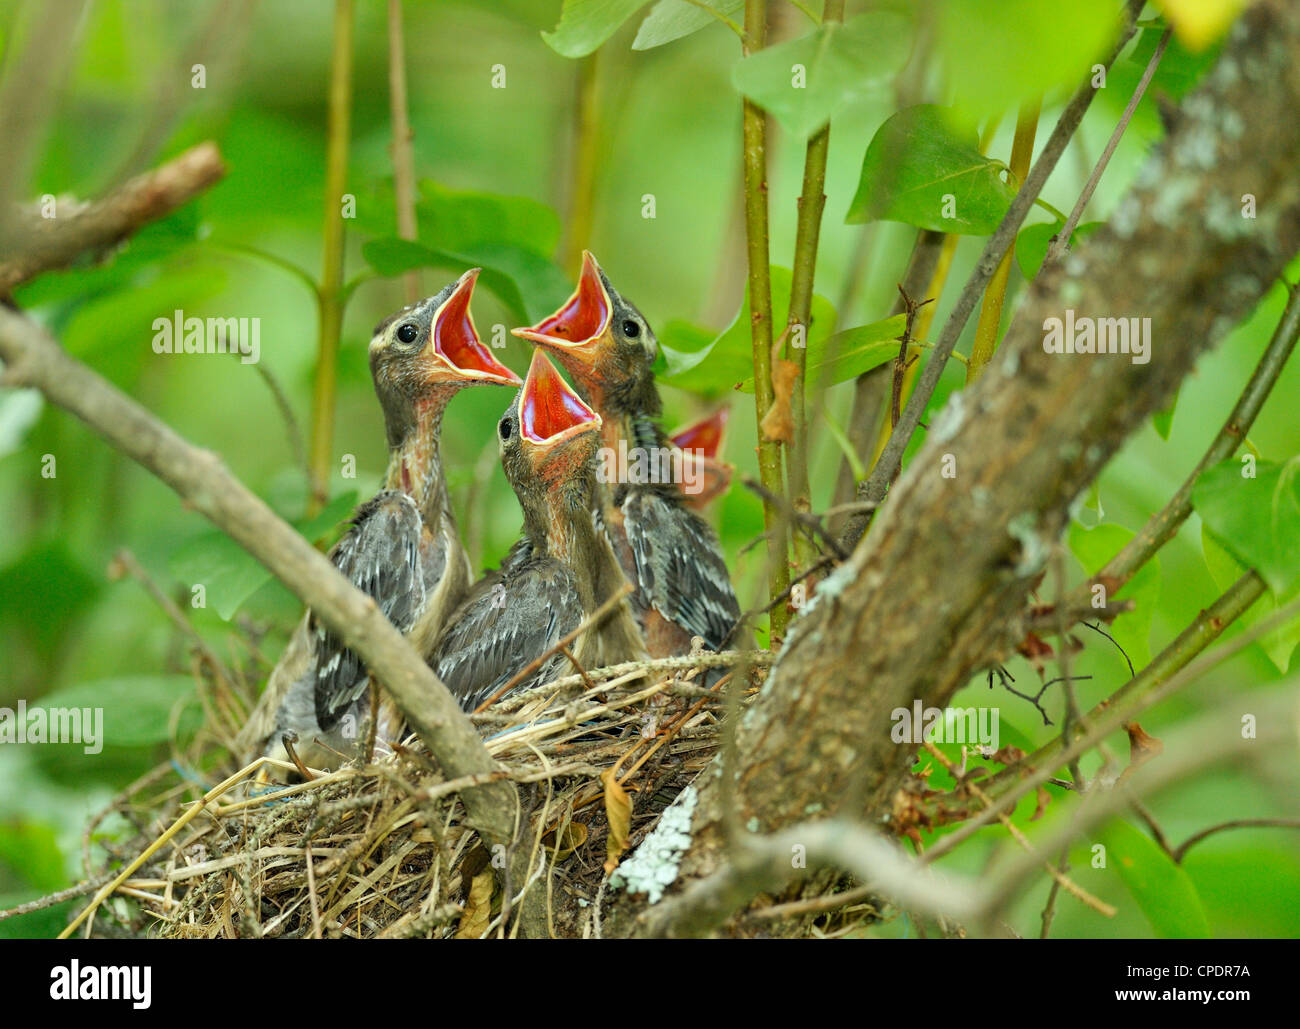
<point x="705" y="435"/>
<point x="458" y="353"/>
<point x="579" y="332"/>
<point x="550" y="413"/>
<point x="701" y="443"/>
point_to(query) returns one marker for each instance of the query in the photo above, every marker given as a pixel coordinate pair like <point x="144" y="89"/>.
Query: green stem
<point x="986" y="331"/>
<point x="403" y="152"/>
<point x="812" y="200"/>
<point x="754" y="129"/>
<point x="330" y="304"/>
<point x="586" y="159"/>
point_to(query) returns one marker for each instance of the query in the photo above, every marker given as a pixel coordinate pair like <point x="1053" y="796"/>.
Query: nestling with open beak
<point x="670" y="554"/>
<point x="558" y="574"/>
<point x="402" y="547"/>
<point x="701" y="445"/>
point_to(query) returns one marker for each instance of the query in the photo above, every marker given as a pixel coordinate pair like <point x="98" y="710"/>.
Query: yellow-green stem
<point x="586" y="156"/>
<point x="754" y="125"/>
<point x="403" y="152"/>
<point x="812" y="200"/>
<point x="330" y="291"/>
<point x="986" y="332"/>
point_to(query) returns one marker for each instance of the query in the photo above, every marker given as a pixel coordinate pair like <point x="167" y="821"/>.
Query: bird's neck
<point x="560" y="523"/>
<point x="415" y="464"/>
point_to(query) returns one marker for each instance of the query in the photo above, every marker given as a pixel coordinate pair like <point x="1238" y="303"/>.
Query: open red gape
<point x="584" y="315"/>
<point x="705" y="435"/>
<point x="549" y="410"/>
<point x="456" y="341"/>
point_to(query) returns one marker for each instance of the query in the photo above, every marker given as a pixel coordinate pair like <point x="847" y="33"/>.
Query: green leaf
<point x="460" y="219"/>
<point x="1163" y="890"/>
<point x="919" y="166"/>
<point x="137" y="711"/>
<point x="44" y="592"/>
<point x="1164" y="420"/>
<point x="848" y="354"/>
<point x="727" y="361"/>
<point x="228" y="573"/>
<point x="670" y="20"/>
<point x="527" y="283"/>
<point x="1032" y="243"/>
<point x="1225" y="569"/>
<point x="586" y="24"/>
<point x="1132" y="630"/>
<point x="32" y="850"/>
<point x="994" y="56"/>
<point x="805" y="82"/>
<point x="1256" y="519"/>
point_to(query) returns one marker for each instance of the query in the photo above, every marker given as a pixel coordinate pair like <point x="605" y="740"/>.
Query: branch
<point x="1161" y="527"/>
<point x="990" y="320"/>
<point x="1062" y="240"/>
<point x="926" y="602"/>
<point x="202" y="480"/>
<point x="44" y="244"/>
<point x="330" y="298"/>
<point x="812" y="199"/>
<point x="754" y="124"/>
<point x="891" y="458"/>
<point x="1240" y="823"/>
<point x="765" y="865"/>
<point x="403" y="152"/>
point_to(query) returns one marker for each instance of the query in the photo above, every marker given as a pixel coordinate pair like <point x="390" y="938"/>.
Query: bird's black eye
<point x="407" y="333"/>
<point x="631" y="329"/>
<point x="505" y="428"/>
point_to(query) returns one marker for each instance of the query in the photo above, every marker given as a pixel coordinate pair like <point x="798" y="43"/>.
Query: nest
<point x="382" y="849"/>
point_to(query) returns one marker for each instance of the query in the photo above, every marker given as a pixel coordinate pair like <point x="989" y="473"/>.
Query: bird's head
<point x="605" y="343"/>
<point x="548" y="434"/>
<point x="426" y="352"/>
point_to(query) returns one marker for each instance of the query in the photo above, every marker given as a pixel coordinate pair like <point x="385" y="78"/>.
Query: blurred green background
<point x="497" y="167"/>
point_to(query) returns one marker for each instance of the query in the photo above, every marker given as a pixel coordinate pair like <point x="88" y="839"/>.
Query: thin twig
<point x="1240" y="823"/>
<point x="875" y="486"/>
<point x="1062" y="240"/>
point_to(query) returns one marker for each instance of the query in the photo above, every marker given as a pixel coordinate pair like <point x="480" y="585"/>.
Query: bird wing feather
<point x="494" y="633"/>
<point x="680" y="570"/>
<point x="381" y="555"/>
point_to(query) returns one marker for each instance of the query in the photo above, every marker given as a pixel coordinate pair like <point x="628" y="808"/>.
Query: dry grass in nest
<point x="382" y="850"/>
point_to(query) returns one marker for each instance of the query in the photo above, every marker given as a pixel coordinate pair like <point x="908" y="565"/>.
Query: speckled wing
<point x="380" y="554"/>
<point x="510" y="618"/>
<point x="680" y="570"/>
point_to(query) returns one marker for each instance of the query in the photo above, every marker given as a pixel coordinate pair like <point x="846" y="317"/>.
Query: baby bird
<point x="558" y="574"/>
<point x="401" y="548"/>
<point x="667" y="551"/>
<point x="701" y="445"/>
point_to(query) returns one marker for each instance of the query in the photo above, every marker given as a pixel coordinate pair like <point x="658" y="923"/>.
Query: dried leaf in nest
<point x="478" y="906"/>
<point x="778" y="423"/>
<point x="618" y="810"/>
